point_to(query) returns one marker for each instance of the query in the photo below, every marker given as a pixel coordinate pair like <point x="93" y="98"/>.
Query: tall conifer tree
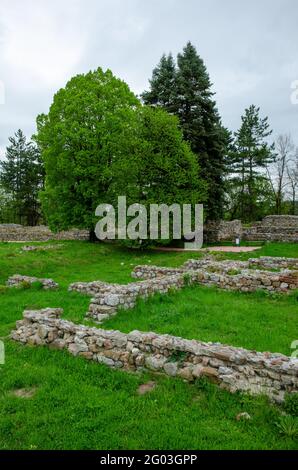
<point x="21" y="176"/>
<point x="191" y="99"/>
<point x="251" y="154"/>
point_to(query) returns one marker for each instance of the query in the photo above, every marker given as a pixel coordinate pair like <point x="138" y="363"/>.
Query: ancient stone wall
<point x="232" y="368"/>
<point x="245" y="280"/>
<point x="272" y="262"/>
<point x="280" y="228"/>
<point x="13" y="232"/>
<point x="108" y="298"/>
<point x="222" y="230"/>
<point x="229" y="275"/>
<point x="271" y="228"/>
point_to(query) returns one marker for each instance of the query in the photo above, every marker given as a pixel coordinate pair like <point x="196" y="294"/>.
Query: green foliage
<point x="24" y="285"/>
<point x="88" y="122"/>
<point x="98" y="142"/>
<point x="3" y="289"/>
<point x="186" y="279"/>
<point x="250" y="194"/>
<point x="291" y="403"/>
<point x="21" y="178"/>
<point x="233" y="272"/>
<point x="178" y="356"/>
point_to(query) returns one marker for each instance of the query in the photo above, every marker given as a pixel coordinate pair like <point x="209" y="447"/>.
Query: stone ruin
<point x="18" y="233"/>
<point x="19" y="281"/>
<point x="275" y="228"/>
<point x="230" y="367"/>
<point x="27" y="248"/>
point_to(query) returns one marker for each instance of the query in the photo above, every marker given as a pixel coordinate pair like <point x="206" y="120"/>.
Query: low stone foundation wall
<point x="151" y="272"/>
<point x="279" y="228"/>
<point x="222" y="230"/>
<point x="271" y="262"/>
<point x="18" y="280"/>
<point x="47" y="247"/>
<point x="108" y="298"/>
<point x="12" y="232"/>
<point x="210" y="264"/>
<point x="232" y="368"/>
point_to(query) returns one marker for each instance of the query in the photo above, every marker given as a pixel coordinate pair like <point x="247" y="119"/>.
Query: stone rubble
<point x="15" y="232"/>
<point x="41" y="247"/>
<point x="18" y="280"/>
<point x="234" y="369"/>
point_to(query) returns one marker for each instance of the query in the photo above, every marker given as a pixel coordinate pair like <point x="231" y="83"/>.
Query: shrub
<point x="25" y="285"/>
<point x="233" y="272"/>
<point x="291" y="403"/>
<point x="288" y="426"/>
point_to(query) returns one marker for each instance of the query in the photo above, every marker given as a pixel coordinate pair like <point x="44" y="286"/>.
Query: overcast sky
<point x="250" y="49"/>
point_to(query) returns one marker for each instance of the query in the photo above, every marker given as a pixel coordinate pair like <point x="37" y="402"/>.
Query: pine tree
<point x="21" y="176"/>
<point x="163" y="85"/>
<point x="251" y="154"/>
<point x="191" y="99"/>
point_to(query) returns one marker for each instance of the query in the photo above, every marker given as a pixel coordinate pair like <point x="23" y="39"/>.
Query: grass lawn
<point x="68" y="403"/>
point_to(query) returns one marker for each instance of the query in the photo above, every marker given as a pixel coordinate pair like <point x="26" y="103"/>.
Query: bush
<point x="25" y="285"/>
<point x="291" y="403"/>
<point x="233" y="272"/>
<point x="288" y="426"/>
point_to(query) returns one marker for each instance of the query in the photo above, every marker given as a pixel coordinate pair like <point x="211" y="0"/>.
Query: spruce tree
<point x="251" y="154"/>
<point x="163" y="85"/>
<point x="21" y="176"/>
<point x="192" y="101"/>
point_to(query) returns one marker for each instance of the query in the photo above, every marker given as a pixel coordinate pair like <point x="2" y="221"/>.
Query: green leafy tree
<point x="79" y="139"/>
<point x="7" y="213"/>
<point x="189" y="96"/>
<point x="235" y="199"/>
<point x="160" y="167"/>
<point x="251" y="155"/>
<point x="98" y="142"/>
<point x="21" y="177"/>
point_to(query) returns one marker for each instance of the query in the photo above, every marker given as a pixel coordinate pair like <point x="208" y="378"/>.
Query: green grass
<point x="83" y="405"/>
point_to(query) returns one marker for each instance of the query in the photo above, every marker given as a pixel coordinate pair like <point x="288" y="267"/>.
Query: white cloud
<point x="250" y="50"/>
<point x="41" y="42"/>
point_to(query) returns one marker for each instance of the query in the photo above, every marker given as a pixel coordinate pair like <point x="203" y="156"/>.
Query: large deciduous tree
<point x="79" y="138"/>
<point x="98" y="142"/>
<point x="277" y="171"/>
